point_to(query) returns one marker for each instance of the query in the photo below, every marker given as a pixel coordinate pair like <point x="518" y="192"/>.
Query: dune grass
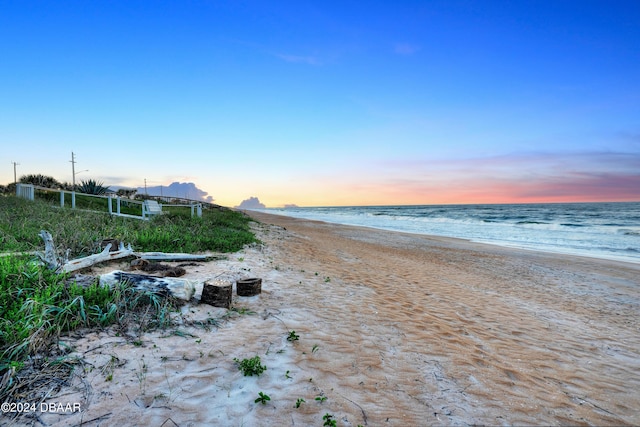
<point x="37" y="305"/>
<point x="81" y="231"/>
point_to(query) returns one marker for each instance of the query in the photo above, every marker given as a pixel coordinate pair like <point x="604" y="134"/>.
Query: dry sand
<point x="395" y="329"/>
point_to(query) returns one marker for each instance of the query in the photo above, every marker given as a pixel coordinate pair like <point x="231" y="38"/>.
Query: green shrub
<point x="250" y="367"/>
<point x="92" y="186"/>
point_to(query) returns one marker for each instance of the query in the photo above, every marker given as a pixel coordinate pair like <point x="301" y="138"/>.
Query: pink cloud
<point x="532" y="177"/>
<point x="597" y="187"/>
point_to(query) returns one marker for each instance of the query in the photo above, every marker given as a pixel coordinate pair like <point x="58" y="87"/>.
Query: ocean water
<point x="600" y="230"/>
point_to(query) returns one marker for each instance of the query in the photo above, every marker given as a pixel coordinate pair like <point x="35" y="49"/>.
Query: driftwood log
<point x="161" y="256"/>
<point x="170" y="286"/>
<point x="217" y="293"/>
<point x="64" y="266"/>
<point x="249" y="287"/>
<point x="109" y="253"/>
<point x="106" y="255"/>
<point x="178" y="288"/>
<point x="49" y="256"/>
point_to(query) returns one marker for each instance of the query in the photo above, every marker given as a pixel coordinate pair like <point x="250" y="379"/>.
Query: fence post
<point x="25" y="191"/>
<point x="109" y="203"/>
<point x="118" y="205"/>
<point x="62" y="198"/>
<point x="73" y="199"/>
<point x="199" y="210"/>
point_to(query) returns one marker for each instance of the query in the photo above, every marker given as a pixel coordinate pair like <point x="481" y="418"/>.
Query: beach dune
<point x="394" y="329"/>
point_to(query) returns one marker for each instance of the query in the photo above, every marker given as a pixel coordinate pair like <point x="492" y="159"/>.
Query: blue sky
<point x="328" y="103"/>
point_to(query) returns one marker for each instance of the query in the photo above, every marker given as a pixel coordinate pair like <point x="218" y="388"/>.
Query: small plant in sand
<point x="233" y="312"/>
<point x="329" y="421"/>
<point x="166" y="377"/>
<point x="109" y="368"/>
<point x="250" y="367"/>
<point x="293" y="336"/>
<point x="321" y="398"/>
<point x="262" y="398"/>
<point x="142" y="376"/>
<point x="241" y="310"/>
<point x="299" y="402"/>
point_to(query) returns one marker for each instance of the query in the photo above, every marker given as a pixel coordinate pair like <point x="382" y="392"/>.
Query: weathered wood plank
<point x="164" y="256"/>
<point x="105" y="255"/>
<point x="53" y="262"/>
<point x="178" y="288"/>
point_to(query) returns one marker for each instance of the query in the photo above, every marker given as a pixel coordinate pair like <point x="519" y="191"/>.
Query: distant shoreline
<point x="310" y="213"/>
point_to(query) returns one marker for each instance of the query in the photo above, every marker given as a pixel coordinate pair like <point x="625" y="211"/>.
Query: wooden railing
<point x="114" y="205"/>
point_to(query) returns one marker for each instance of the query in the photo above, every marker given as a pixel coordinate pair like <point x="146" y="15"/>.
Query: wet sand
<point x="394" y="329"/>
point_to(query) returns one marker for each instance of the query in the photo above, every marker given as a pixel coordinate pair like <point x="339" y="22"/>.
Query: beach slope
<point x="441" y="331"/>
<point x="393" y="329"/>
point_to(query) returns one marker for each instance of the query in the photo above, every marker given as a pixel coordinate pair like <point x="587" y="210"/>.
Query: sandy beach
<point x="394" y="330"/>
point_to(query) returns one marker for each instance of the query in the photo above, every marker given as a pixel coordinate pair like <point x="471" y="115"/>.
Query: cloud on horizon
<point x="251" y="203"/>
<point x="185" y="190"/>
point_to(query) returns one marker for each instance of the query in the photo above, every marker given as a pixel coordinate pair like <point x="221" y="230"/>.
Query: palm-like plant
<point x="92" y="186"/>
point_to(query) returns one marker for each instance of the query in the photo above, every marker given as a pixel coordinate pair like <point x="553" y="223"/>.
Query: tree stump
<point x="115" y="244"/>
<point x="249" y="287"/>
<point x="217" y="294"/>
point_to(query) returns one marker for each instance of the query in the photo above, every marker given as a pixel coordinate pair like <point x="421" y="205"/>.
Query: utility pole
<point x="73" y="169"/>
<point x="73" y="175"/>
<point x="15" y="179"/>
<point x="145" y="187"/>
